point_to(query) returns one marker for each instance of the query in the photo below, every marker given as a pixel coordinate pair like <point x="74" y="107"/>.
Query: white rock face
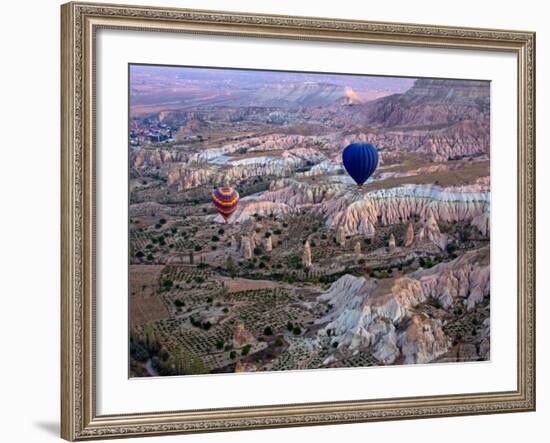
<point x="384" y="321"/>
<point x="268" y="244"/>
<point x="359" y="212"/>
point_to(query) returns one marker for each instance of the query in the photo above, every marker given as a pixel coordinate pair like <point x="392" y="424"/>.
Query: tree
<point x="268" y="331"/>
<point x="230" y="266"/>
<point x="296" y="330"/>
<point x="245" y="350"/>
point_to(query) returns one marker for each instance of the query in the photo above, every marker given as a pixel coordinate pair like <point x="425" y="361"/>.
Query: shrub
<point x="268" y="331"/>
<point x="179" y="303"/>
<point x="232" y="355"/>
<point x="245" y="350"/>
<point x="198" y="248"/>
<point x="162" y="221"/>
<point x="139" y="254"/>
<point x="215" y="238"/>
<point x="296" y="330"/>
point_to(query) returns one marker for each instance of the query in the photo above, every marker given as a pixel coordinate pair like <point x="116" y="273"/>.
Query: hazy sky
<point x="163" y="75"/>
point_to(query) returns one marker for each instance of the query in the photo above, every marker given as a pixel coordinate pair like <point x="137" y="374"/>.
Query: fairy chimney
<point x="341" y="236"/>
<point x="391" y="243"/>
<point x="409" y="236"/>
<point x="268" y="244"/>
<point x="307" y="255"/>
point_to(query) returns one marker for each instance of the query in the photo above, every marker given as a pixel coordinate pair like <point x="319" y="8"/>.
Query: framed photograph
<point x="282" y="221"/>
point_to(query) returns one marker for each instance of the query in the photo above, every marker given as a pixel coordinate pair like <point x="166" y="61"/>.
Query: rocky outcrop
<point x="359" y="213"/>
<point x="431" y="102"/>
<point x="245" y="366"/>
<point x="306" y="258"/>
<point x="383" y="320"/>
<point x="357" y="248"/>
<point x="246" y="247"/>
<point x="423" y="340"/>
<point x="430" y="232"/>
<point x="268" y="244"/>
<point x="391" y="243"/>
<point x="186" y="178"/>
<point x="241" y="336"/>
<point x="409" y="236"/>
<point x="341" y="236"/>
<point x="250" y="206"/>
<point x="141" y="157"/>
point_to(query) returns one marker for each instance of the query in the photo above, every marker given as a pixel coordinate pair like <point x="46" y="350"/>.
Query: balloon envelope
<point x="360" y="160"/>
<point x="225" y="201"/>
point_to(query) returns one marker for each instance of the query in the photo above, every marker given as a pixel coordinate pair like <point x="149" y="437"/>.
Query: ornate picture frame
<point x="80" y="22"/>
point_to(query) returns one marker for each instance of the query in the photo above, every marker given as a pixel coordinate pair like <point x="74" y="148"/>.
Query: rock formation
<point x="245" y="366"/>
<point x="268" y="244"/>
<point x="246" y="247"/>
<point x="409" y="236"/>
<point x="357" y="248"/>
<point x="241" y="336"/>
<point x="430" y="231"/>
<point x="341" y="236"/>
<point x="391" y="243"/>
<point x="307" y="255"/>
<point x="384" y="322"/>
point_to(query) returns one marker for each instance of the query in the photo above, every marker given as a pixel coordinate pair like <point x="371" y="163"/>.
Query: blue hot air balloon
<point x="360" y="160"/>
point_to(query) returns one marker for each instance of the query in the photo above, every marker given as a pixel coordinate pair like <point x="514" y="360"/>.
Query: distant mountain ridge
<point x="431" y="102"/>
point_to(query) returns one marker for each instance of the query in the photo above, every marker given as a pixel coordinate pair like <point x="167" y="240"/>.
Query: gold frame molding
<point x="79" y="22"/>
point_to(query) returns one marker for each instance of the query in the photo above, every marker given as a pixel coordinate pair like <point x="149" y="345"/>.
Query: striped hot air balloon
<point x="225" y="201"/>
